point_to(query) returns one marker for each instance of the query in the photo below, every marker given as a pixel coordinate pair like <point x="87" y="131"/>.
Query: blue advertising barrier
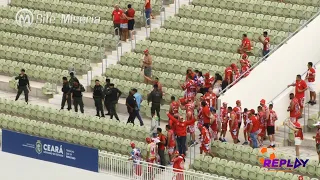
<point x="50" y="150"/>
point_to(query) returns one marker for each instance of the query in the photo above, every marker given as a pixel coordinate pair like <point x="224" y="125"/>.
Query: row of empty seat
<point x="44" y="59"/>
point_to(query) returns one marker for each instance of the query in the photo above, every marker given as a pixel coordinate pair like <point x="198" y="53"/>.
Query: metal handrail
<point x="175" y="5"/>
<point x="272" y="51"/>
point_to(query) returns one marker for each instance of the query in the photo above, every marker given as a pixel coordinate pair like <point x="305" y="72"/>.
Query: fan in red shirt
<point x="262" y="120"/>
<point x="245" y="46"/>
<point x="233" y="124"/>
<point x="294" y="108"/>
<point x="253" y="128"/>
<point x="310" y="79"/>
<point x="171" y="141"/>
<point x="206" y="114"/>
<point x="210" y="97"/>
<point x="214" y="124"/>
<point x="200" y="117"/>
<point x="190" y="74"/>
<point x="244" y="68"/>
<point x="116" y="15"/>
<point x="271" y="125"/>
<point x="189" y="107"/>
<point x="228" y="75"/>
<point x="265" y="40"/>
<point x="317" y="138"/>
<point x="190" y="87"/>
<point x="244" y="57"/>
<point x="178" y="165"/>
<point x="208" y="82"/>
<point x="298" y="134"/>
<point x="224" y="121"/>
<point x="205" y="141"/>
<point x="265" y="109"/>
<point x="301" y="87"/>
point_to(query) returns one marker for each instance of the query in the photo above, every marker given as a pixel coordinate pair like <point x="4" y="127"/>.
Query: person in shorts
<point x="130" y="15"/>
<point x="147" y="65"/>
<point x="124" y="27"/>
<point x="317" y="138"/>
<point x="205" y="140"/>
<point x="171" y="141"/>
<point x="298" y="135"/>
<point x="271" y="125"/>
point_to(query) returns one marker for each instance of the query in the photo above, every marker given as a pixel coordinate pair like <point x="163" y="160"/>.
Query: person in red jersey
<point x="265" y="109"/>
<point x="174" y="106"/>
<point x="200" y="117"/>
<point x="265" y="40"/>
<point x="271" y="125"/>
<point x="124" y="27"/>
<point x="206" y="114"/>
<point x="245" y="117"/>
<point x="233" y="124"/>
<point x="239" y="117"/>
<point x="253" y="128"/>
<point x="244" y="68"/>
<point x="190" y="74"/>
<point x="317" y="138"/>
<point x="294" y="108"/>
<point x="205" y="141"/>
<point x="310" y="79"/>
<point x="224" y="121"/>
<point x="298" y="135"/>
<point x="247" y="128"/>
<point x="171" y="144"/>
<point x="262" y="120"/>
<point x="301" y="87"/>
<point x="214" y="124"/>
<point x="245" y="57"/>
<point x="208" y="82"/>
<point x="228" y="75"/>
<point x="116" y="16"/>
<point x="189" y="107"/>
<point x="178" y="165"/>
<point x="210" y="98"/>
<point x="181" y="131"/>
<point x="245" y="46"/>
<point x="190" y="88"/>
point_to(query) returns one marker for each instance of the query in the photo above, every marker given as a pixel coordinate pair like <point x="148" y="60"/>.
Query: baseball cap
<point x="148" y="140"/>
<point x="146" y="51"/>
<point x="132" y="145"/>
<point x="233" y="65"/>
<point x="262" y="101"/>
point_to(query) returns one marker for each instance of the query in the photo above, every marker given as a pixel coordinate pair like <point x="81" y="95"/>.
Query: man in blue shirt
<point x="139" y="100"/>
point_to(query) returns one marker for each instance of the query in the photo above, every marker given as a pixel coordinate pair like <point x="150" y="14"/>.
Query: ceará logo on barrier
<point x="25" y="18"/>
<point x="273" y="163"/>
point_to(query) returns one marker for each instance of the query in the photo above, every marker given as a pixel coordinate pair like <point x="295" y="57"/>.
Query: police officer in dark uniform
<point x="155" y="98"/>
<point x="72" y="79"/>
<point x="23" y="85"/>
<point x="114" y="95"/>
<point x="66" y="96"/>
<point x="98" y="98"/>
<point x="107" y="98"/>
<point x="76" y="94"/>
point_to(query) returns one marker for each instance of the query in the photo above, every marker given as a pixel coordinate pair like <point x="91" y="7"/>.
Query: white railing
<point x="119" y="165"/>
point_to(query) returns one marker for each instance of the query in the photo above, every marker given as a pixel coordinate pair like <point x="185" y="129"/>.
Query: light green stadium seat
<point x="237" y="169"/>
<point x="253" y="172"/>
<point x="221" y="166"/>
<point x="206" y="163"/>
<point x="261" y="173"/>
<point x="230" y="147"/>
<point x="229" y="168"/>
<point x="245" y="155"/>
<point x="245" y="171"/>
<point x="198" y="161"/>
<point x="254" y="156"/>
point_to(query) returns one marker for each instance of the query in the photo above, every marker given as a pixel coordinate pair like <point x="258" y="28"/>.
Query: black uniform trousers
<point x="25" y="90"/>
<point x="107" y="104"/>
<point x="132" y="116"/>
<point x="77" y="101"/>
<point x="65" y="99"/>
<point x="99" y="106"/>
<point x="155" y="108"/>
<point x="113" y="111"/>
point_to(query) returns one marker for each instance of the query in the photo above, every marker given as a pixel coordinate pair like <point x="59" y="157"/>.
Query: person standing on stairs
<point x="107" y="98"/>
<point x="98" y="98"/>
<point x="114" y="95"/>
<point x="116" y="16"/>
<point x="148" y="10"/>
<point x="155" y="97"/>
<point x="317" y="139"/>
<point x="76" y="94"/>
<point x="301" y="87"/>
<point x="310" y="79"/>
<point x="72" y="79"/>
<point x="138" y="98"/>
<point x="130" y="15"/>
<point x="146" y="65"/>
<point x="131" y="107"/>
<point x="23" y="85"/>
<point x="65" y="96"/>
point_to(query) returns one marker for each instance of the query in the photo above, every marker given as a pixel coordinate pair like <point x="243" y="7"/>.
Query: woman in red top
<point x="317" y="138"/>
<point x="298" y="134"/>
<point x="181" y="131"/>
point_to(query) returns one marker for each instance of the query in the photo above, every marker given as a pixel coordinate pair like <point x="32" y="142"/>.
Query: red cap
<point x="146" y="51"/>
<point x="244" y="56"/>
<point x="132" y="145"/>
<point x="262" y="101"/>
<point x="148" y="140"/>
<point x="238" y="101"/>
<point x="297" y="124"/>
<point x="252" y="111"/>
<point x="233" y="65"/>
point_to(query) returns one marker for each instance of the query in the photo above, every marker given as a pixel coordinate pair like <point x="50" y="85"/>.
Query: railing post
<point x="175" y="7"/>
<point x="147" y="26"/>
<point x="304" y="118"/>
